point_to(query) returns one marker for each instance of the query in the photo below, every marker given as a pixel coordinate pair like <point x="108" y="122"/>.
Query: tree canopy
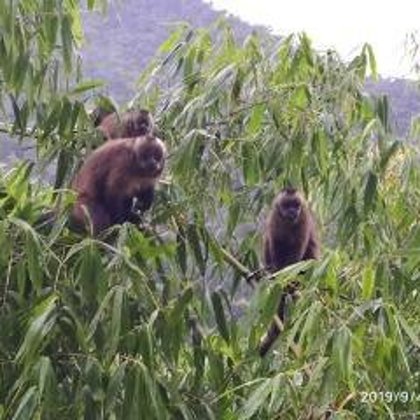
<point x="160" y="322"/>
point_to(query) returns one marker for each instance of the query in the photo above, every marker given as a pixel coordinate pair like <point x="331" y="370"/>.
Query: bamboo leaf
<point x="256" y="400"/>
<point x="114" y="388"/>
<point x="67" y="42"/>
<point x="116" y="321"/>
<point x="368" y="282"/>
<point x="220" y="316"/>
<point x="409" y="331"/>
<point x="27" y="405"/>
<point x="372" y="61"/>
<point x="86" y="86"/>
<point x="43" y="320"/>
<point x="370" y="192"/>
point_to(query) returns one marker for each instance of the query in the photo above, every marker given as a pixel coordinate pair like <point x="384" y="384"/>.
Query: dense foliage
<point x="159" y="322"/>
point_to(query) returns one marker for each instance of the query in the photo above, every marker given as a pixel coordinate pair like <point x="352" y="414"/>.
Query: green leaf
<point x="20" y="71"/>
<point x="115" y="386"/>
<point x="195" y="246"/>
<point x="181" y="250"/>
<point x="34" y="260"/>
<point x="370" y="193"/>
<point x="27" y="405"/>
<point x="257" y="116"/>
<point x="116" y="321"/>
<point x="343" y="353"/>
<point x="173" y="41"/>
<point x="47" y="380"/>
<point x="409" y="331"/>
<point x="220" y="316"/>
<point x="43" y="319"/>
<point x="257" y="400"/>
<point x="100" y="313"/>
<point x="301" y="97"/>
<point x="372" y="61"/>
<point x="368" y="282"/>
<point x="86" y="86"/>
<point x="67" y="42"/>
<point x="388" y="154"/>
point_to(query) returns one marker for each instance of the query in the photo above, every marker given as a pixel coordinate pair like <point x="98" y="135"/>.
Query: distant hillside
<point x="120" y="45"/>
<point x="404" y="97"/>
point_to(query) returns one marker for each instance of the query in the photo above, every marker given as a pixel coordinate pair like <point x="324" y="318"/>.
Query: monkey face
<point x="151" y="162"/>
<point x="138" y="123"/>
<point x="138" y="127"/>
<point x="289" y="209"/>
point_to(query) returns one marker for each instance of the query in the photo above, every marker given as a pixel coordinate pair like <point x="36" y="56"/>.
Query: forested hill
<point x="121" y="44"/>
<point x="404" y="96"/>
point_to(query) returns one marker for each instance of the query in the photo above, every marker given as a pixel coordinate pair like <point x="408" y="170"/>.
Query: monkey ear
<point x="104" y="106"/>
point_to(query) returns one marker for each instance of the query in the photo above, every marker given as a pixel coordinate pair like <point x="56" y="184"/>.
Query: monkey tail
<point x="271" y="335"/>
<point x="277" y="325"/>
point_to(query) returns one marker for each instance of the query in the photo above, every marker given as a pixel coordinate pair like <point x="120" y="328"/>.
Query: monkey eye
<point x="157" y="156"/>
<point x="294" y="207"/>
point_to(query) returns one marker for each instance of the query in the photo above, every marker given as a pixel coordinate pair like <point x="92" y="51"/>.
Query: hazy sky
<point x="343" y="25"/>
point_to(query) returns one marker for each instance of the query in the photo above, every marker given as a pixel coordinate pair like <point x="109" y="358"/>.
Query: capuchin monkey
<point x="129" y="124"/>
<point x="290" y="236"/>
<point x="111" y="177"/>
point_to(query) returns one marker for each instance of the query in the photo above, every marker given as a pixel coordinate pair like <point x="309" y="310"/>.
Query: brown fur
<point x="127" y="125"/>
<point x="290" y="236"/>
<point x="111" y="176"/>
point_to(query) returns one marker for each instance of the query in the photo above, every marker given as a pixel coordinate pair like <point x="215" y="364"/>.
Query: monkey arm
<point x="312" y="249"/>
<point x="87" y="215"/>
<point x="282" y="255"/>
<point x="145" y="198"/>
<point x="133" y="216"/>
<point x="268" y="258"/>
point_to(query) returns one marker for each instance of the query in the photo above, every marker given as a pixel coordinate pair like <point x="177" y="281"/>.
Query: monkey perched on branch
<point x="289" y="237"/>
<point x="117" y="174"/>
<point x="111" y="177"/>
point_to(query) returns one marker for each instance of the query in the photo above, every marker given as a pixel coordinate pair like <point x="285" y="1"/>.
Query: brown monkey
<point x="111" y="176"/>
<point x="290" y="236"/>
<point x="128" y="124"/>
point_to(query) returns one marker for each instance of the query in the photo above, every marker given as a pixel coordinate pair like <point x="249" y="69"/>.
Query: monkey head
<point x="150" y="156"/>
<point x="289" y="205"/>
<point x="138" y="122"/>
<point x="128" y="124"/>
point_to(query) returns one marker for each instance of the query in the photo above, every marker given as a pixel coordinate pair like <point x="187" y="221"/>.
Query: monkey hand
<point x="255" y="276"/>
